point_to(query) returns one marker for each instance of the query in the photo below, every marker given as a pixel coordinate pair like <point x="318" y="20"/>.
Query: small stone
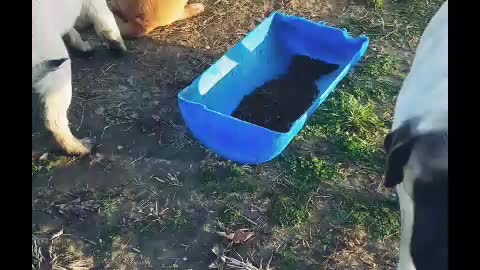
<point x="119" y="147"/>
<point x="44" y="157"/>
<point x="100" y="110"/>
<point x="131" y="81"/>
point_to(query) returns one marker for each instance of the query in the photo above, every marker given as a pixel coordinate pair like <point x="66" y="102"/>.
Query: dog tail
<point x="40" y="70"/>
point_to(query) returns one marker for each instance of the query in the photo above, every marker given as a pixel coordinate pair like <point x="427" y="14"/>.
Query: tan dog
<point x="136" y="18"/>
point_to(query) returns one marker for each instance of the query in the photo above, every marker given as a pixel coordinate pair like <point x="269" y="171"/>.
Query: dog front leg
<point x="75" y="41"/>
<point x="105" y="25"/>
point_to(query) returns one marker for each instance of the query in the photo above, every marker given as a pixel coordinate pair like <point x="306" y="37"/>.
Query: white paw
<point x="88" y="143"/>
<point x="85" y="46"/>
<point x="196" y="8"/>
<point x="80" y="147"/>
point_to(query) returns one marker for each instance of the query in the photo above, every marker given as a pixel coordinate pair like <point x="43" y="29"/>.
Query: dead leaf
<point x="241" y="236"/>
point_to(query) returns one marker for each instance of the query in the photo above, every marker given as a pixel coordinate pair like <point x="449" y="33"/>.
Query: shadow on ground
<point x="144" y="166"/>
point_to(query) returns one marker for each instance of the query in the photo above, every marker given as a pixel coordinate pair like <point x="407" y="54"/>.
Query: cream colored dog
<point x="136" y="18"/>
<point x="51" y="66"/>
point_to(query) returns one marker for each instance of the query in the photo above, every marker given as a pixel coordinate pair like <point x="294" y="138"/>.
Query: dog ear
<point x="398" y="146"/>
<point x="40" y="70"/>
<point x="54" y="64"/>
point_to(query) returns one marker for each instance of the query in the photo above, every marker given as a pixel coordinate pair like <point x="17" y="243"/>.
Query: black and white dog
<point x="417" y="149"/>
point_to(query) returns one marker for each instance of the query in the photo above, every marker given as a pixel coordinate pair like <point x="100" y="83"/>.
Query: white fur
<point x="52" y="19"/>
<point x="425" y="90"/>
<point x="424" y="94"/>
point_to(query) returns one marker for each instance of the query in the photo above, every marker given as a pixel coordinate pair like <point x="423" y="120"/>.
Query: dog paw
<point x="118" y="48"/>
<point x="88" y="143"/>
<point x="85" y="47"/>
<point x="196" y="8"/>
<point x="115" y="44"/>
<point x="81" y="147"/>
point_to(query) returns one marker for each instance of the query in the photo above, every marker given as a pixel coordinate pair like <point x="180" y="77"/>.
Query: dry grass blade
<point x="226" y="262"/>
<point x="170" y="180"/>
<point x="233" y="263"/>
<point x="37" y="256"/>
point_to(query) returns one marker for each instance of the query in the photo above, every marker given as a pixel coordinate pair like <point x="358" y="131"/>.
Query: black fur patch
<point x="398" y="145"/>
<point x="429" y="243"/>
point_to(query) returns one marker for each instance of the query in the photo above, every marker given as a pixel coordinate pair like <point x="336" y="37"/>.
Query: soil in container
<point x="280" y="102"/>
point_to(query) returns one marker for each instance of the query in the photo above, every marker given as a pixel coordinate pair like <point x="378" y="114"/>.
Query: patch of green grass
<point x="107" y="235"/>
<point x="236" y="171"/>
<point x="231" y="216"/>
<point x="226" y="178"/>
<point x="418" y="13"/>
<point x="305" y="174"/>
<point x="376" y="82"/>
<point x="352" y="126"/>
<point x="379" y="219"/>
<point x="109" y="206"/>
<point x="288" y="212"/>
<point x="209" y="182"/>
<point x="181" y="220"/>
<point x="376" y="3"/>
<point x="39" y="168"/>
<point x="288" y="260"/>
<point x="352" y="119"/>
<point x="381" y="65"/>
<point x="401" y="24"/>
<point x="290" y="202"/>
<point x="45" y="167"/>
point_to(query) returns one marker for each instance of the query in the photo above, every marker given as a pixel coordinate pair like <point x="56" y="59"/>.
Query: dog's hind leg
<point x="55" y="90"/>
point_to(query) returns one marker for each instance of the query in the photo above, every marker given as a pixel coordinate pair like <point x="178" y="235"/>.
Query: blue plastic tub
<point x="265" y="53"/>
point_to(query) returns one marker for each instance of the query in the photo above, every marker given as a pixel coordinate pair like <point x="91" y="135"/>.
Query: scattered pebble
<point x="44" y="157"/>
<point x="131" y="81"/>
<point x="156" y="117"/>
<point x="100" y="110"/>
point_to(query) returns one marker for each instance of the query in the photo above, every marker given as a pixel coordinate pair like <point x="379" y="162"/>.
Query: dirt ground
<point x="151" y="197"/>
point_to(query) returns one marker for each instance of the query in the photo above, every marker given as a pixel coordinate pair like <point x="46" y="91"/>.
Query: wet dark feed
<point x="280" y="102"/>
